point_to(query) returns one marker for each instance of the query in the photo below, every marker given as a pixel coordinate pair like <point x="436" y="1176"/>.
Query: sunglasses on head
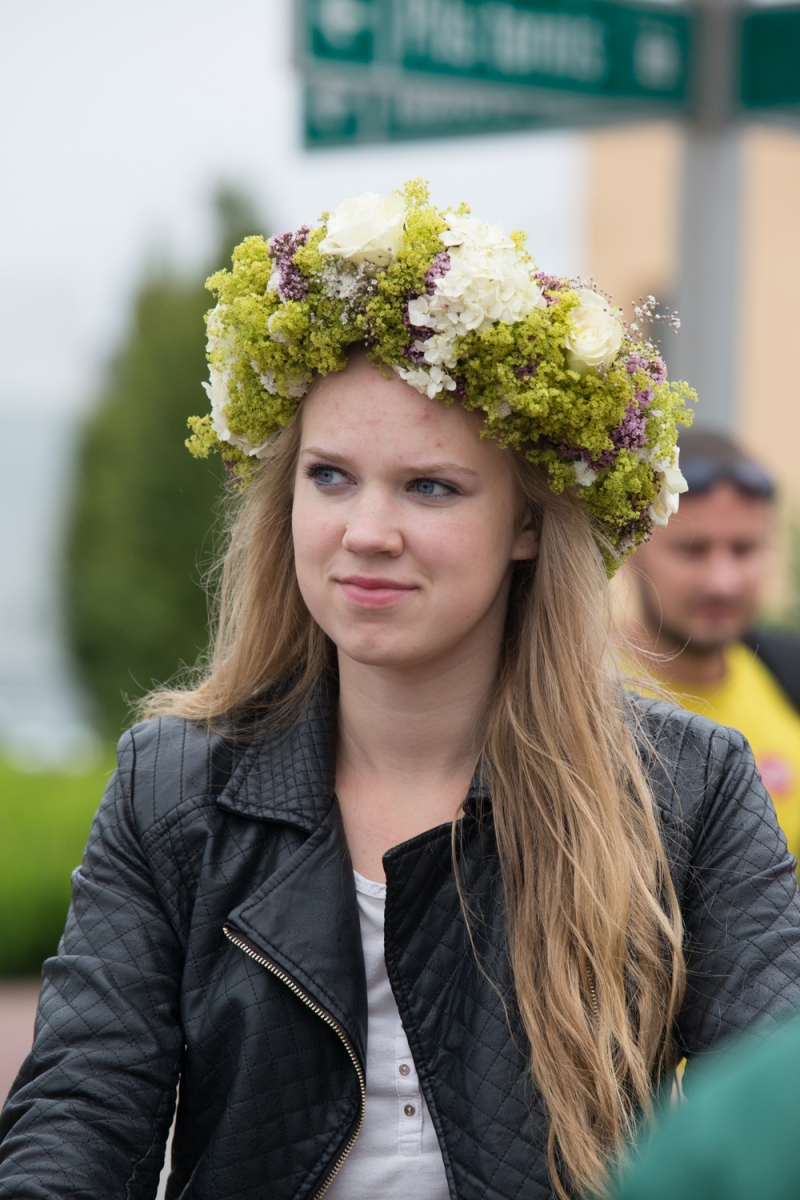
<point x="702" y="474"/>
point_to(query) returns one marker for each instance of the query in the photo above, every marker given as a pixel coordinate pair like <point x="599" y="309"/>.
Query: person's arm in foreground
<point x="90" y="1111"/>
<point x="736" y="1137"/>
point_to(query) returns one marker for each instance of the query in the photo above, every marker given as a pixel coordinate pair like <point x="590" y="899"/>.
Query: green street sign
<point x="336" y="115"/>
<point x="620" y="52"/>
<point x="770" y="58"/>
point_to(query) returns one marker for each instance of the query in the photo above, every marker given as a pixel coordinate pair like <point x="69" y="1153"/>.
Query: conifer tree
<point x="141" y="530"/>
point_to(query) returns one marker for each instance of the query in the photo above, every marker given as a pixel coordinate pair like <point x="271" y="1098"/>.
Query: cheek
<point x="473" y="551"/>
<point x="315" y="533"/>
<point x="753" y="575"/>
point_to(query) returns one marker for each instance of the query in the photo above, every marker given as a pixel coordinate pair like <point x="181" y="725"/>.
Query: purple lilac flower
<point x="579" y="454"/>
<point x="630" y="434"/>
<point x="548" y="284"/>
<point x="656" y="368"/>
<point x="573" y="453"/>
<point x="439" y="267"/>
<point x="625" y="535"/>
<point x="293" y="284"/>
<point x="527" y="371"/>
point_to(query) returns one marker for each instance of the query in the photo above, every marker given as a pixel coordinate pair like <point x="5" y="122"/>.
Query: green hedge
<point x="44" y="823"/>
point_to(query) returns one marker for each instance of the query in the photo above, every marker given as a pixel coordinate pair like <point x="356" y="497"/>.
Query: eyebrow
<point x="424" y="468"/>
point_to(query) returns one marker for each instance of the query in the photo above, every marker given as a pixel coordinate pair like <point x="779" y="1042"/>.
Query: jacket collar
<point x="287" y="772"/>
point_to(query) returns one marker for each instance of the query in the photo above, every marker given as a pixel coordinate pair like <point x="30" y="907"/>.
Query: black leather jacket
<point x="214" y="936"/>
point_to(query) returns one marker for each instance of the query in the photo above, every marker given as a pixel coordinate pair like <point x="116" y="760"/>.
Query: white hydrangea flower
<point x="299" y="387"/>
<point x="487" y="281"/>
<point x="219" y="378"/>
<point x="584" y="474"/>
<point x="673" y="485"/>
<point x="276" y="334"/>
<point x="266" y="379"/>
<point x="429" y="382"/>
<point x="596" y="335"/>
<point x="367" y="228"/>
<point x="217" y="391"/>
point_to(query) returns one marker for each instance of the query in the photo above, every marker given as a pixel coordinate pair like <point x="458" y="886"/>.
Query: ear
<point x="526" y="545"/>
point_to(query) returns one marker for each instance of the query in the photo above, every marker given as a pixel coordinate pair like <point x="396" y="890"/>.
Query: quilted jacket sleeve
<point x="91" y="1108"/>
<point x="740" y="900"/>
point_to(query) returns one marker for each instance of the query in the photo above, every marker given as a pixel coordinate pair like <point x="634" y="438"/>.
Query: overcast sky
<point x="118" y="120"/>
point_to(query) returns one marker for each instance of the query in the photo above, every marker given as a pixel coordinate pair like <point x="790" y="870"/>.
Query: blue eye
<point x="325" y="476"/>
<point x="432" y="488"/>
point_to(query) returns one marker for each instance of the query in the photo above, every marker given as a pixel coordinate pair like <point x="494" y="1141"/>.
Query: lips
<point x="365" y="591"/>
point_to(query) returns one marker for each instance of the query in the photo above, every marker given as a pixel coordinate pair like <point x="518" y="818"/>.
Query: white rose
<point x="672" y="487"/>
<point x="366" y="229"/>
<point x="596" y="334"/>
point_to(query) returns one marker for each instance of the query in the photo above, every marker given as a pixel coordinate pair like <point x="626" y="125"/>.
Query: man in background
<point x="701" y="583"/>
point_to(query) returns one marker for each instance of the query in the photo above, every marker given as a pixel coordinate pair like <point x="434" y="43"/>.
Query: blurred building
<point x="633" y="200"/>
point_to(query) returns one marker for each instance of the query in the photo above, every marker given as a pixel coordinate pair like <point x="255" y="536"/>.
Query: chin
<point x="712" y="640"/>
<point x="390" y="648"/>
<point x="380" y="655"/>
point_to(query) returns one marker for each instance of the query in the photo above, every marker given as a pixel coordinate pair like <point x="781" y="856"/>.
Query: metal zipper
<point x="593" y="994"/>
<point x="334" y="1025"/>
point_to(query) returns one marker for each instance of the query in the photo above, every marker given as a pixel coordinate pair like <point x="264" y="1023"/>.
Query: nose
<point x="724" y="574"/>
<point x="372" y="526"/>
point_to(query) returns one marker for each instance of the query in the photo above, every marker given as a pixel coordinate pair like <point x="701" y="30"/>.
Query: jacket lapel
<point x="288" y="771"/>
<point x="304" y="916"/>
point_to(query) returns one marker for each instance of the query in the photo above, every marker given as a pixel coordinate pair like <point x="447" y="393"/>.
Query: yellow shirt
<point x="752" y="701"/>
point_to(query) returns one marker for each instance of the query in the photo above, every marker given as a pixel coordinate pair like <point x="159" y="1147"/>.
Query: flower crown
<point x="458" y="310"/>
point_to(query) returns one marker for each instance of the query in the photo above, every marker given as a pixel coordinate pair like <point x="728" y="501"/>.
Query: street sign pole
<point x="706" y="348"/>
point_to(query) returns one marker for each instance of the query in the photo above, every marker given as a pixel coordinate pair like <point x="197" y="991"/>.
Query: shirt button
<point x="409" y="1110"/>
<point x="404" y="1069"/>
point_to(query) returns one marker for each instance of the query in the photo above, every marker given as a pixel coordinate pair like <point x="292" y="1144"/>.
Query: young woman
<point x="405" y="892"/>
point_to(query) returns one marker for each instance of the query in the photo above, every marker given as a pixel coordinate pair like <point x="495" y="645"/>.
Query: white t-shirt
<point x="396" y="1154"/>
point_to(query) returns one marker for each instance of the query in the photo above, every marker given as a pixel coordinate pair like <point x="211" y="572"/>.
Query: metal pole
<point x="705" y="350"/>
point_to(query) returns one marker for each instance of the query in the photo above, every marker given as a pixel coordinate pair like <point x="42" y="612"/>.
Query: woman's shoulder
<point x="689" y="758"/>
<point x="168" y="762"/>
<point x="670" y="724"/>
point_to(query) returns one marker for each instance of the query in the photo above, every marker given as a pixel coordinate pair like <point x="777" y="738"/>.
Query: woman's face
<point x="404" y="522"/>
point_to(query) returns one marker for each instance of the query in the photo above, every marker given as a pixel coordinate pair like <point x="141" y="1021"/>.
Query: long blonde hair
<point x="594" y="927"/>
